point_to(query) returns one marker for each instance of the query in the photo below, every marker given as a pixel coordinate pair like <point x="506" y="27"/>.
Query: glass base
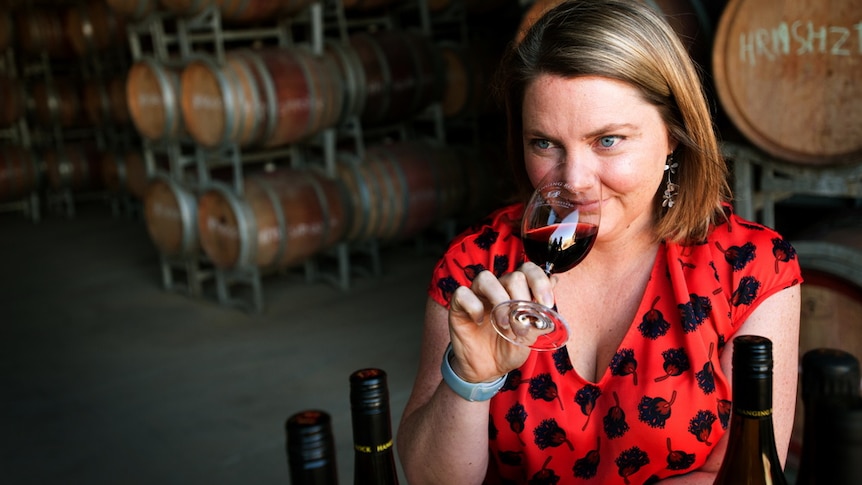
<point x="530" y="324"/>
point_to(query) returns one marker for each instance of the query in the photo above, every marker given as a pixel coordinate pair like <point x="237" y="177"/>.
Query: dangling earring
<point x="671" y="188"/>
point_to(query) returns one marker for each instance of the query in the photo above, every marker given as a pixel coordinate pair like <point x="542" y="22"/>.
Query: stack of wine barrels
<point x="278" y="96"/>
<point x="20" y="172"/>
<point x="787" y="76"/>
<point x="286" y="216"/>
<point x="76" y="30"/>
<point x="72" y="166"/>
<point x="64" y="79"/>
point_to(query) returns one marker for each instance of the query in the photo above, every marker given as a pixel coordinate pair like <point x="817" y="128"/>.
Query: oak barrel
<point x="57" y="103"/>
<point x="72" y="166"/>
<point x="13" y="103"/>
<point x="170" y="213"/>
<point x="403" y="73"/>
<point x="350" y="71"/>
<point x="152" y="97"/>
<point x="787" y="74"/>
<point x="39" y="31"/>
<point x="239" y="11"/>
<point x="248" y="11"/>
<point x="133" y="9"/>
<point x="268" y="97"/>
<point x="19" y="172"/>
<point x="468" y="70"/>
<point x="125" y="172"/>
<point x="831" y="258"/>
<point x="400" y="189"/>
<point x="367" y="5"/>
<point x="282" y="219"/>
<point x="105" y="101"/>
<point x="92" y="27"/>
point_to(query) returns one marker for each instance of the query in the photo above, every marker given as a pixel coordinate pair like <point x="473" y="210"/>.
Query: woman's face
<point x="602" y="126"/>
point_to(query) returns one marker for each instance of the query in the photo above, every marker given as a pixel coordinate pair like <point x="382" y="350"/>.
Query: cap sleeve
<point x="493" y="244"/>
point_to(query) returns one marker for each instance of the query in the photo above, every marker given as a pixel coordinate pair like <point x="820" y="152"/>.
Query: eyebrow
<point x="610" y="128"/>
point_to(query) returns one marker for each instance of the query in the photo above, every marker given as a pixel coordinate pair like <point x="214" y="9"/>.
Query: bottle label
<point x="373" y="449"/>
<point x="759" y="413"/>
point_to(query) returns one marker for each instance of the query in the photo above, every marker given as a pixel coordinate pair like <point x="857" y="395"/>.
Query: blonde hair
<point x="628" y="41"/>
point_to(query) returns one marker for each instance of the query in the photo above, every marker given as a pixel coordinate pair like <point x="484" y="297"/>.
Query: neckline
<point x="645" y="303"/>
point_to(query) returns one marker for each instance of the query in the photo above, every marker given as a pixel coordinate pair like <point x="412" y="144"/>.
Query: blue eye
<point x="607" y="141"/>
<point x="543" y="144"/>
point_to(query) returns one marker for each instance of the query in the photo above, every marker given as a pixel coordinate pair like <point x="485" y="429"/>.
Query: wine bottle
<point x="311" y="448"/>
<point x="843" y="449"/>
<point x="751" y="457"/>
<point x="830" y="391"/>
<point x="374" y="457"/>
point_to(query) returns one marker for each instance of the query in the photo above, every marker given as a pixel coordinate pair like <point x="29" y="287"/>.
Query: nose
<point x="580" y="175"/>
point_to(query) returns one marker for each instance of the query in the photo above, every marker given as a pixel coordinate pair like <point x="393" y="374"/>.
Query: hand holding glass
<point x="560" y="224"/>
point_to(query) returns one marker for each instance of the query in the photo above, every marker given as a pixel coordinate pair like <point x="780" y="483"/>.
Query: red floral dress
<point x="663" y="402"/>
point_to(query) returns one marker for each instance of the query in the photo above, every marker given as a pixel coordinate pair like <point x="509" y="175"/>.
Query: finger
<point x="465" y="304"/>
<point x="541" y="288"/>
<point x="490" y="289"/>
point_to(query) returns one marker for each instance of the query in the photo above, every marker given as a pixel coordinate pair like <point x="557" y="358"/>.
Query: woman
<point x="641" y="392"/>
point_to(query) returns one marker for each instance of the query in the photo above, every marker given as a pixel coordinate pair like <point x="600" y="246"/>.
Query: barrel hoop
<point x="393" y="183"/>
<point x="122" y="172"/>
<point x="324" y="206"/>
<point x="383" y="109"/>
<point x="229" y="101"/>
<point x="168" y="92"/>
<point x="405" y="195"/>
<point x="105" y="101"/>
<point x="280" y="219"/>
<point x="260" y="75"/>
<point x="302" y="60"/>
<point x="830" y="257"/>
<point x="354" y="81"/>
<point x="188" y="214"/>
<point x="428" y="89"/>
<point x="357" y="187"/>
<point x="256" y="101"/>
<point x="246" y="224"/>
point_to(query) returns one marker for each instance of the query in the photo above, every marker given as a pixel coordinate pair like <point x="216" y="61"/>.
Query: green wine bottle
<point x="751" y="457"/>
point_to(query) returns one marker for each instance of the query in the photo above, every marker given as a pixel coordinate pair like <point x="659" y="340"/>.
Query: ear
<point x="672" y="143"/>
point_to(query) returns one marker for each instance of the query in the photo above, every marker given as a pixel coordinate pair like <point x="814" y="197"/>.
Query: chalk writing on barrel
<point x="799" y="38"/>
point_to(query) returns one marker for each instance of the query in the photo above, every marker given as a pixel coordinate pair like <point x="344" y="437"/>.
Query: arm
<point x="443" y="438"/>
<point x="776" y="318"/>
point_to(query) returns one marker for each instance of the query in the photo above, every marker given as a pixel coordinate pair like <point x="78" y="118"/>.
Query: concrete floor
<point x="108" y="378"/>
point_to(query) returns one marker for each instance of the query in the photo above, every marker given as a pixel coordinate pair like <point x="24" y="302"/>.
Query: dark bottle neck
<point x="311" y="449"/>
<point x="752" y="396"/>
<point x="374" y="458"/>
<point x="752" y="376"/>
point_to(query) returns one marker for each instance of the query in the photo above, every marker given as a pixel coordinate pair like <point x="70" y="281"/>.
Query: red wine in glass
<point x="560" y="246"/>
<point x="559" y="228"/>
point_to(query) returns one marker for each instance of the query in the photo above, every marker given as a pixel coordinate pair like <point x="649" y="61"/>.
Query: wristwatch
<point x="479" y="391"/>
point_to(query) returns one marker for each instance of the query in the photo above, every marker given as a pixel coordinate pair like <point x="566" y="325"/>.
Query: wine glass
<point x="559" y="227"/>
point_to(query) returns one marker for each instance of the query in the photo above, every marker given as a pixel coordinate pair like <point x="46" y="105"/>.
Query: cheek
<point x="634" y="180"/>
<point x="536" y="170"/>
